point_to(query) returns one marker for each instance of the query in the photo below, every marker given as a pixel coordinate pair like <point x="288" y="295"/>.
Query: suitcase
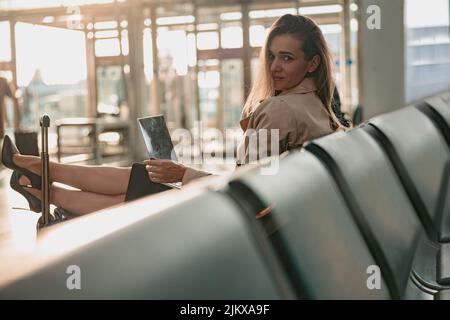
<point x="27" y="142"/>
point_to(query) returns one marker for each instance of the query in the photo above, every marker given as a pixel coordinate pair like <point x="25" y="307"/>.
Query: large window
<point x="232" y="91"/>
<point x="173" y="76"/>
<point x="427" y="50"/>
<point x="111" y="91"/>
<point x="31" y="4"/>
<point x="333" y="34"/>
<point x="221" y="71"/>
<point x="111" y="49"/>
<point x="208" y="40"/>
<point x="209" y="89"/>
<point x="51" y="72"/>
<point x="231" y="36"/>
<point x="175" y="85"/>
<point x="195" y="69"/>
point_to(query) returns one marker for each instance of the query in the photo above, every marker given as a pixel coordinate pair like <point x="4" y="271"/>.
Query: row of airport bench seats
<point x="375" y="198"/>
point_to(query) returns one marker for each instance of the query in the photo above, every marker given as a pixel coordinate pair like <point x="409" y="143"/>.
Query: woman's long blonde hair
<point x="309" y="33"/>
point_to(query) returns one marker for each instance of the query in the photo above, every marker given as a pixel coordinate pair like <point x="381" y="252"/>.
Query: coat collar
<point x="244" y="123"/>
<point x="307" y="85"/>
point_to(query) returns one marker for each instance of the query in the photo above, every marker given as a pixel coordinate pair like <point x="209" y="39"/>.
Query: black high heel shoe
<point x="8" y="150"/>
<point x="33" y="202"/>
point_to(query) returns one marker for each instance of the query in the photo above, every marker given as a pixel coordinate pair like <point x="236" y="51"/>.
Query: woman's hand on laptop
<point x="164" y="171"/>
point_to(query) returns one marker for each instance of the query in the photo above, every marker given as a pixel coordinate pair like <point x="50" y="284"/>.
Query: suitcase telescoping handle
<point x="45" y="187"/>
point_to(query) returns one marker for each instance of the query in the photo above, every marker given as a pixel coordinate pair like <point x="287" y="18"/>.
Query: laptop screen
<point x="157" y="137"/>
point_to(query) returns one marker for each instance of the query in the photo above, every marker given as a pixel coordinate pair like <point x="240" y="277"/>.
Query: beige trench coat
<point x="294" y="116"/>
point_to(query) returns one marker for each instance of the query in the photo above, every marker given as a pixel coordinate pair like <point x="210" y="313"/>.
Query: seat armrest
<point x="443" y="264"/>
<point x="442" y="295"/>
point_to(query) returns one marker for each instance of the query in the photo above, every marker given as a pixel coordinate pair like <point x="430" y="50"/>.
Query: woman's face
<point x="288" y="66"/>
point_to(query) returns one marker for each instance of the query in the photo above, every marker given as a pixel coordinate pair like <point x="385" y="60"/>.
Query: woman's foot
<point x="10" y="156"/>
<point x="19" y="183"/>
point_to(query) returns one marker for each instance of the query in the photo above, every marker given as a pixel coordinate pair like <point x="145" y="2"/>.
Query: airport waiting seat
<point x="203" y="248"/>
<point x="443" y="295"/>
<point x="357" y="116"/>
<point x="438" y="110"/>
<point x="441" y="104"/>
<point x="314" y="234"/>
<point x="378" y="202"/>
<point x="422" y="160"/>
<point x="421" y="157"/>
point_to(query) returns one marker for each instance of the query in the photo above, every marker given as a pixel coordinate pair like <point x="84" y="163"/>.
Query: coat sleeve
<point x="192" y="174"/>
<point x="271" y="131"/>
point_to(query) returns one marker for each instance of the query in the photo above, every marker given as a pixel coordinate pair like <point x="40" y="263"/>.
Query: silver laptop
<point x="157" y="137"/>
<point x="157" y="140"/>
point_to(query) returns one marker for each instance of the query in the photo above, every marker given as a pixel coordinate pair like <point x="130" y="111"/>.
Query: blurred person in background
<point x="7" y="91"/>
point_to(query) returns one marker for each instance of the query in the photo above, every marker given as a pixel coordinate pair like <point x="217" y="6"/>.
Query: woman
<point x="292" y="95"/>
